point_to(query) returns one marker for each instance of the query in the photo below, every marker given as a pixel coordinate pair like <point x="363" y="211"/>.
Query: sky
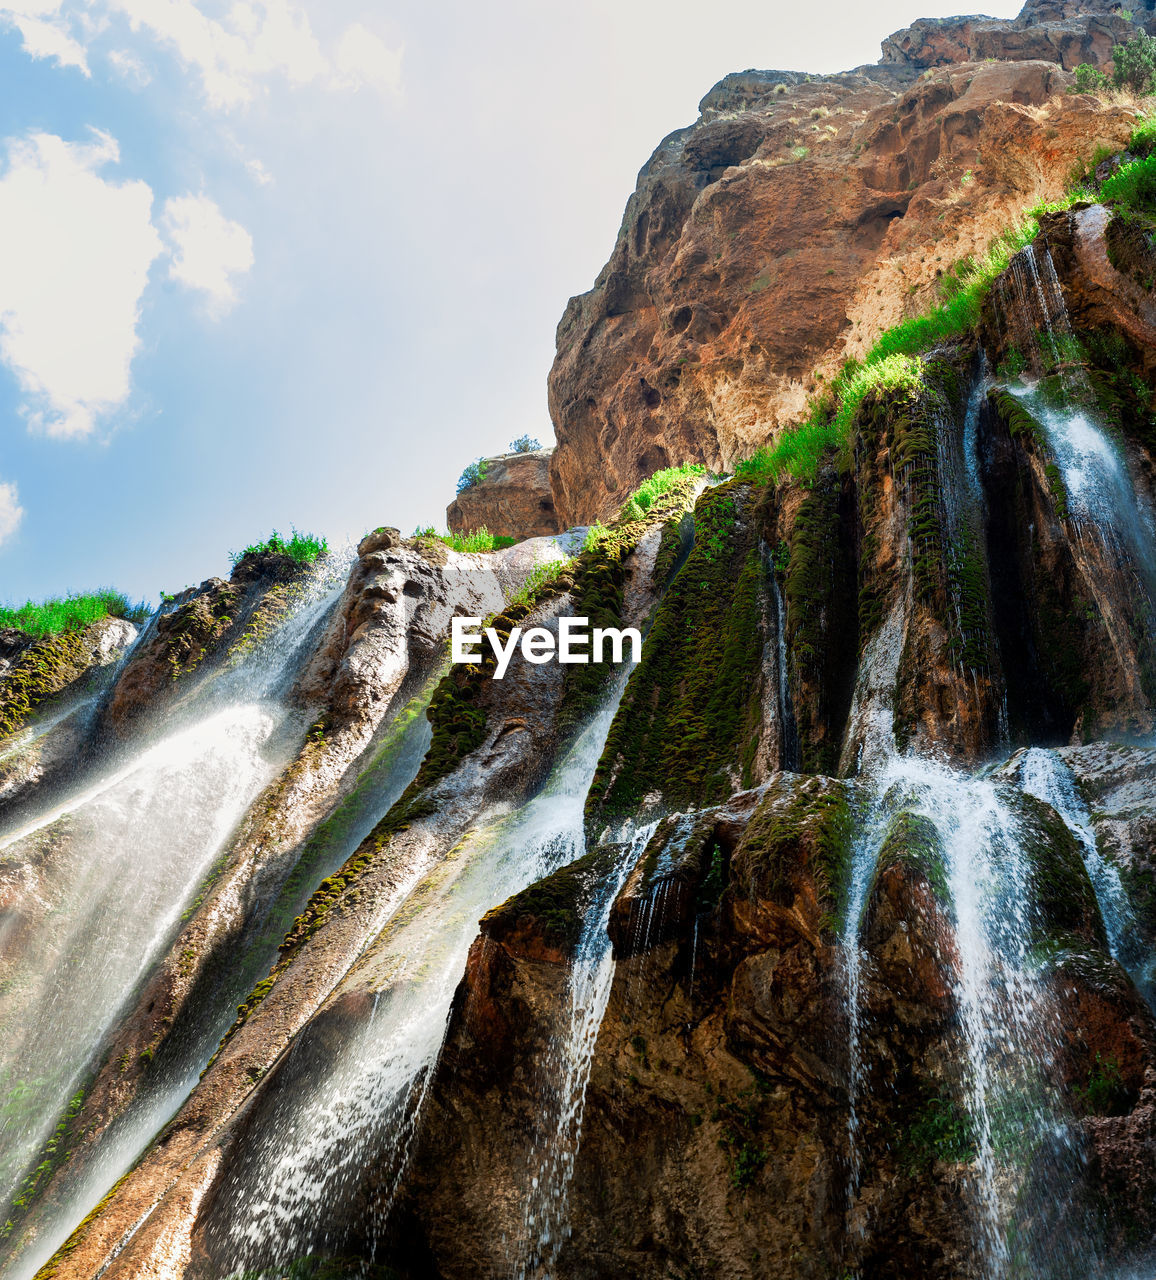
<point x="290" y="263"/>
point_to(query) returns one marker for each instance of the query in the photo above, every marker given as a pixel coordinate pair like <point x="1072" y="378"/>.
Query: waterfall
<point x="99" y="883"/>
<point x="1007" y="1029"/>
<point x="864" y="855"/>
<point x="360" y="1105"/>
<point x="565" y="1074"/>
<point x="1044" y="775"/>
<point x="791" y="755"/>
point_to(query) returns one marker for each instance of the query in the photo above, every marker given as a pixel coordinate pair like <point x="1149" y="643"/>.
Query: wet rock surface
<point x="795" y="972"/>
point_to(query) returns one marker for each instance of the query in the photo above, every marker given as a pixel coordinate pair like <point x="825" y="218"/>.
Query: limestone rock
<point x="513" y="499"/>
<point x="778" y="235"/>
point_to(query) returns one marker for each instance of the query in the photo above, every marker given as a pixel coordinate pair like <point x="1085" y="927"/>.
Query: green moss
<point x="1025" y="427"/>
<point x="558" y="902"/>
<point x="913" y="843"/>
<point x="823" y="610"/>
<point x="52" y="1155"/>
<point x="39" y="673"/>
<point x="52" y="1266"/>
<point x="802" y="826"/>
<point x="1063" y="898"/>
<point x="274" y="606"/>
<point x="691" y="707"/>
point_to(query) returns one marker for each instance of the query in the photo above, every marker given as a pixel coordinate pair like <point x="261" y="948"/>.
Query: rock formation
<point x="513" y="499"/>
<point x="796" y="219"/>
<point x="820" y="943"/>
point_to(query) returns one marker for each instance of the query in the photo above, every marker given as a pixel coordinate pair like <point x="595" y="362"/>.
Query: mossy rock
<point x="41" y="672"/>
<point x="555" y="907"/>
<point x="803" y="828"/>
<point x="913" y="843"/>
<point x="690" y="716"/>
<point x="1062" y="897"/>
<point x="823" y="605"/>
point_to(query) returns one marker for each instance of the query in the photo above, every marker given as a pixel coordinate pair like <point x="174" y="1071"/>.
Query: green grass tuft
<point x="54" y="616"/>
<point x="650" y="490"/>
<point x="475" y="540"/>
<point x="1133" y="186"/>
<point x="305" y="548"/>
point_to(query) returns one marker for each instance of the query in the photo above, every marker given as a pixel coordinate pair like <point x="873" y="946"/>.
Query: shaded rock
<point x="512" y="500"/>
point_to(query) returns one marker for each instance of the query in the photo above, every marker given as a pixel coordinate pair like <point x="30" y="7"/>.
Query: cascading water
<point x="105" y="876"/>
<point x="1101" y="499"/>
<point x="1044" y="775"/>
<point x="361" y="1106"/>
<point x="565" y="1074"/>
<point x="1006" y="1022"/>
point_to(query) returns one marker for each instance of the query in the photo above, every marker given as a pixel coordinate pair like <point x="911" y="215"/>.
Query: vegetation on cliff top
<point x="305" y="548"/>
<point x="59" y="614"/>
<point x="892" y="362"/>
<point x="480" y="539"/>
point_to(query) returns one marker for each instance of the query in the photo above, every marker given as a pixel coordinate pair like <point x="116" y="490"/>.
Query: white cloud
<point x="259" y="40"/>
<point x="45" y="31"/>
<point x="208" y="249"/>
<point x="11" y="512"/>
<point x="130" y="68"/>
<point x="234" y="57"/>
<point x="75" y="252"/>
<point x="365" y="59"/>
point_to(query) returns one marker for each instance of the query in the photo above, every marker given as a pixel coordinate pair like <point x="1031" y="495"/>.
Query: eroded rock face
<point x="513" y="499"/>
<point x="47" y="687"/>
<point x="199" y="628"/>
<point x="1067" y="33"/>
<point x="715" y="1128"/>
<point x="796" y="219"/>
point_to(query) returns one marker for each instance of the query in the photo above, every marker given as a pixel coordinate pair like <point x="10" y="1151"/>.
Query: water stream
<point x="360" y="1106"/>
<point x="97" y="886"/>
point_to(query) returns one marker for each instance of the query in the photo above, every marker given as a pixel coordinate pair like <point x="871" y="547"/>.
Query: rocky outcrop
<point x="513" y="499"/>
<point x="492" y="744"/>
<point x="46" y="688"/>
<point x="715" y="1130"/>
<point x="52" y="670"/>
<point x="1064" y="33"/>
<point x="198" y="628"/>
<point x="796" y="219"/>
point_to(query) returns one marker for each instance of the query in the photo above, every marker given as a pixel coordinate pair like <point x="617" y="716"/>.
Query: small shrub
<point x="1133" y="186"/>
<point x="473" y="475"/>
<point x="305" y="548"/>
<point x="595" y="536"/>
<point x="524" y="444"/>
<point x="1143" y="139"/>
<point x="1089" y="79"/>
<point x="800" y="152"/>
<point x="72" y="612"/>
<point x="1134" y="64"/>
